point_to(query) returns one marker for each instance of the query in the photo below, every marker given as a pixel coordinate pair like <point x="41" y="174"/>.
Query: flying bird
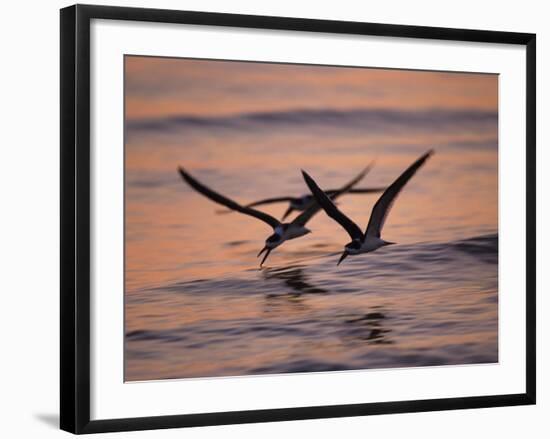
<point x="303" y="202"/>
<point x="281" y="231"/>
<point x="371" y="239"/>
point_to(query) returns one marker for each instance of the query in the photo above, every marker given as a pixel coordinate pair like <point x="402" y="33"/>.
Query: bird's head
<point x="351" y="248"/>
<point x="301" y="202"/>
<point x="271" y="242"/>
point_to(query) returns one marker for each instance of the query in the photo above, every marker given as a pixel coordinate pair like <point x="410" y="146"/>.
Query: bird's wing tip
<point x="367" y="168"/>
<point x="427" y="155"/>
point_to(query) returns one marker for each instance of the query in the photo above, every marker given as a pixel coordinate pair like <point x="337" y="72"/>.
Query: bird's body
<point x="290" y="231"/>
<point x="281" y="231"/>
<point x="370" y="244"/>
<point x="302" y="203"/>
<point x="370" y="240"/>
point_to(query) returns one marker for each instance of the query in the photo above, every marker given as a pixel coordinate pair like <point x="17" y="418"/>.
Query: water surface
<point x="196" y="302"/>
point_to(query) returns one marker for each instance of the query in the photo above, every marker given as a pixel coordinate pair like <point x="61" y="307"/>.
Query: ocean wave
<point x="372" y="119"/>
<point x="300" y="277"/>
<point x="411" y="305"/>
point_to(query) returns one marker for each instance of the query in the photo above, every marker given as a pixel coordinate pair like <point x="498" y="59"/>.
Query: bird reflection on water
<point x="295" y="286"/>
<point x="368" y="328"/>
<point x="411" y="305"/>
<point x="295" y="279"/>
<point x="355" y="328"/>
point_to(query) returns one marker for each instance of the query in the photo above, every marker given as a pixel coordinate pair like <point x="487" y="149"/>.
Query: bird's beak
<point x="288" y="212"/>
<point x="267" y="250"/>
<point x="344" y="256"/>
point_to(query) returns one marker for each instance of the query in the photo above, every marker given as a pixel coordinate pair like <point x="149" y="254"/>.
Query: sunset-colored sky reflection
<point x="246" y="129"/>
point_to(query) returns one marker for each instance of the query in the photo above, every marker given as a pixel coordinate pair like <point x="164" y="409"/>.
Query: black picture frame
<point x="75" y="217"/>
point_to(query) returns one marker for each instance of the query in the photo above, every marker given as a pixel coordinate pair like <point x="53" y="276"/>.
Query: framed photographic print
<point x="267" y="218"/>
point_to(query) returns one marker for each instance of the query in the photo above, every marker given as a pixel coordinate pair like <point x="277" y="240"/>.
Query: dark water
<point x="375" y="311"/>
<point x="196" y="303"/>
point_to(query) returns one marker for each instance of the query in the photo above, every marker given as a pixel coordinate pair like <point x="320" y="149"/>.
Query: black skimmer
<point x="281" y="231"/>
<point x="370" y="240"/>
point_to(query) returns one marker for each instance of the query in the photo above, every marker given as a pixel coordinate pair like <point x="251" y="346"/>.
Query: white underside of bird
<point x="292" y="231"/>
<point x="370" y="244"/>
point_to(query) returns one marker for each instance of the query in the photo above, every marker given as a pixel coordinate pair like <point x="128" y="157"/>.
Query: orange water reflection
<point x="176" y="243"/>
<point x="163" y="86"/>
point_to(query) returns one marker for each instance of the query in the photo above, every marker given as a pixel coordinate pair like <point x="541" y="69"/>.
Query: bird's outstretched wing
<point x="324" y="201"/>
<point x="274" y="200"/>
<point x="269" y="201"/>
<point x="262" y="202"/>
<point x="383" y="206"/>
<point x="220" y="199"/>
<point x="306" y="215"/>
<point x="366" y="190"/>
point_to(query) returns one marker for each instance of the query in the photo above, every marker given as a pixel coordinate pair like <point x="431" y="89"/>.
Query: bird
<point x="281" y="231"/>
<point x="304" y="201"/>
<point x="370" y="240"/>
